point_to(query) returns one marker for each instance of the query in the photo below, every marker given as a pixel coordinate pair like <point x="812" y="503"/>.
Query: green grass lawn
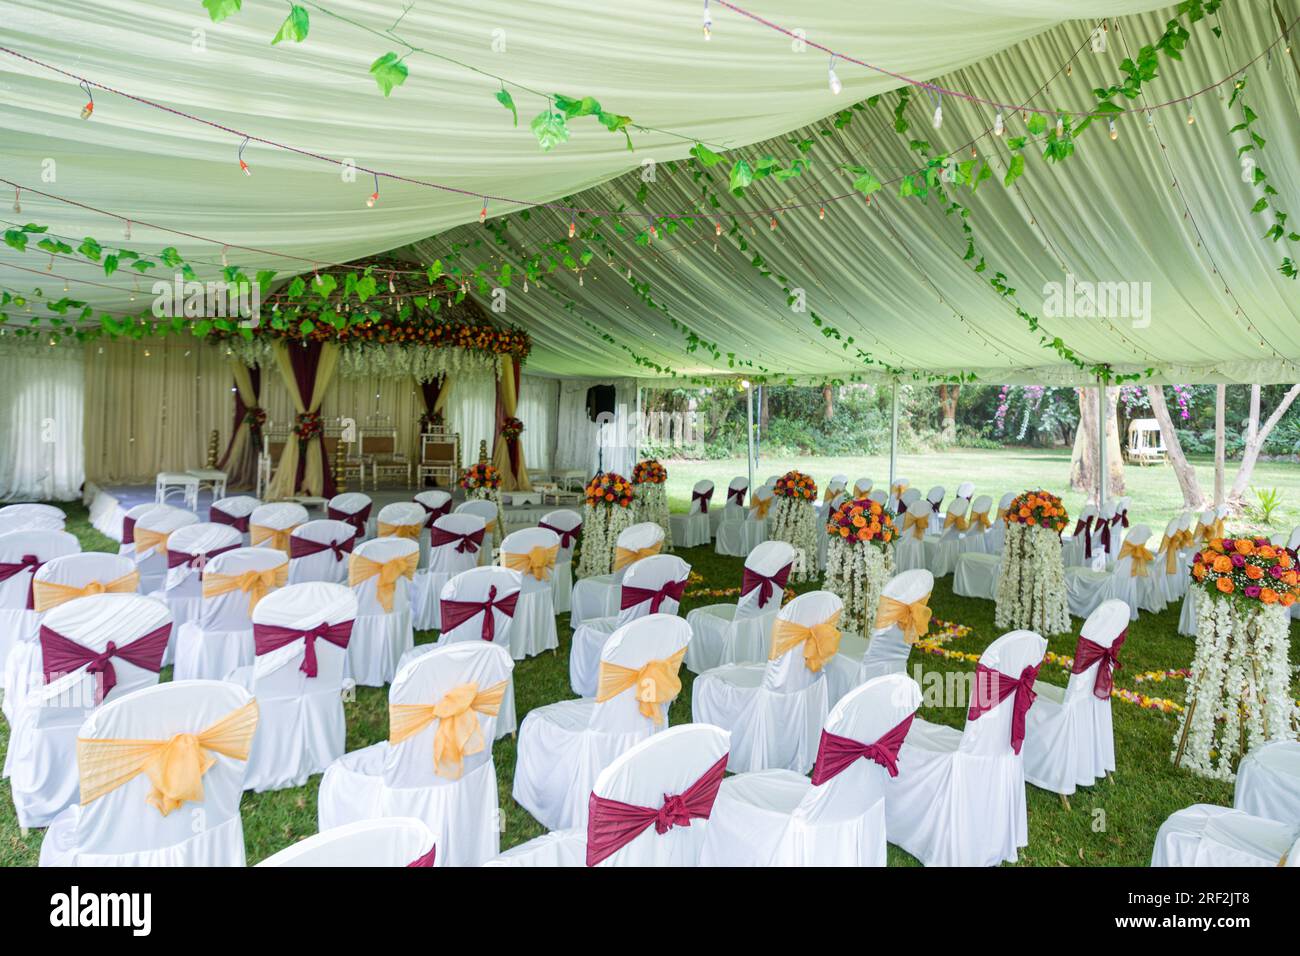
<point x="1111" y="824"/>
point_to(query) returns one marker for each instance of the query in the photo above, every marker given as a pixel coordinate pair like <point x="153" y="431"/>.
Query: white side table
<point x="572" y="476"/>
<point x="214" y="479"/>
<point x="177" y="482"/>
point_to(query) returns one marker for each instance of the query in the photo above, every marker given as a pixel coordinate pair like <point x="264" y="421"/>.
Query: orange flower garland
<point x="1038" y="509"/>
<point x="862" y="520"/>
<point x="795" y="484"/>
<point x="649" y="472"/>
<point x="1248" y="569"/>
<point x="480" y="475"/>
<point x="609" y="488"/>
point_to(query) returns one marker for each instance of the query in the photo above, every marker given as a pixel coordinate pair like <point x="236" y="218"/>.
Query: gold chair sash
<point x="175" y="767"/>
<point x="459" y="734"/>
<point x="146" y="538"/>
<point x="361" y="568"/>
<point x="759" y="511"/>
<point x="625" y="556"/>
<point x="655" y="683"/>
<point x="979" y="520"/>
<point x="912" y="619"/>
<point x="539" y="562"/>
<point x="820" y="641"/>
<point x="898" y="489"/>
<point x="279" y="537"/>
<point x="411" y="532"/>
<point x="1169" y="548"/>
<point x="859" y="491"/>
<point x="255" y="583"/>
<point x="47" y="594"/>
<point x="916" y="523"/>
<point x="955" y="519"/>
<point x="1142" y="558"/>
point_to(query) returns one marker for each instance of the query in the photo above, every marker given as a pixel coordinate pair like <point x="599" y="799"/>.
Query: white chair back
<point x="522" y="542"/>
<point x="385" y="841"/>
<point x="278" y="516"/>
<point x="330" y="563"/>
<point x="1293" y="543"/>
<point x="650" y="638"/>
<point x="18" y="548"/>
<point x="1104" y="625"/>
<point x="935" y="497"/>
<point x="352" y="507"/>
<point x="435" y="503"/>
<point x="129" y="519"/>
<point x="560" y="521"/>
<point x="200" y="541"/>
<point x="966" y="489"/>
<point x="651" y="574"/>
<point x="862" y="487"/>
<point x="382" y="550"/>
<point x="763" y="493"/>
<point x="164" y="519"/>
<point x="910" y="496"/>
<point x="476" y="585"/>
<point x="302" y="607"/>
<point x="989" y="735"/>
<point x="983" y="505"/>
<point x="32" y="516"/>
<point x="1137" y="536"/>
<point x="235" y="510"/>
<point x="448" y="558"/>
<point x="766" y="559"/>
<point x="645" y="534"/>
<point x="789" y="672"/>
<point x="878" y="495"/>
<point x="403" y="514"/>
<point x="697" y="505"/>
<point x="735" y="503"/>
<point x="84" y="568"/>
<point x="957" y="509"/>
<point x="229" y="611"/>
<point x="480" y="507"/>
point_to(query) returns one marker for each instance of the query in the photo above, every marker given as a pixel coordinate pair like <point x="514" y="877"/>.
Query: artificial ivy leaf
<point x="264" y="279"/>
<point x="1014" y="169"/>
<point x="741" y="176"/>
<point x="864" y="182"/>
<point x="110" y="264"/>
<point x="218" y="10"/>
<point x="1036" y="124"/>
<point x="616" y="123"/>
<point x="389" y="72"/>
<point x="91" y="249"/>
<point x="16" y="239"/>
<point x="706" y="156"/>
<point x="295" y="26"/>
<point x="54" y="246"/>
<point x="508" y="101"/>
<point x="325" y="285"/>
<point x="550" y="129"/>
<point x="143" y="265"/>
<point x="587" y="106"/>
<point x="297" y="287"/>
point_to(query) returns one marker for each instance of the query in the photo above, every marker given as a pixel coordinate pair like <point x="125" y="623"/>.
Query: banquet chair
<point x="391" y="841"/>
<point x="1168" y="558"/>
<point x="651" y="586"/>
<point x="455" y="541"/>
<point x="739" y="538"/>
<point x="597" y="596"/>
<point x="978" y="525"/>
<point x="781" y="818"/>
<point x="1121" y="514"/>
<point x="219" y="637"/>
<point x="189" y="549"/>
<point x="22" y="553"/>
<point x="93" y="649"/>
<point x="487" y="510"/>
<point x="959" y="798"/>
<point x="966" y="491"/>
<point x="129" y="518"/>
<point x="56" y="582"/>
<point x="300" y="637"/>
<point x="172" y="809"/>
<point x="733" y="509"/>
<point x="1076" y="547"/>
<point x="1069" y="738"/>
<point x="861" y="488"/>
<point x="402" y="519"/>
<point x="354" y="508"/>
<point x="775" y="710"/>
<point x="693" y="529"/>
<point x="436" y="503"/>
<point x="32" y="516"/>
<point x="1207" y="835"/>
<point x="564" y="746"/>
<point x="897" y="491"/>
<point x="1268" y="781"/>
<point x="380" y="572"/>
<point x="738" y="633"/>
<point x="568" y="525"/>
<point x="908" y="496"/>
<point x="835" y="487"/>
<point x="236" y="511"/>
<point x="1105" y="547"/>
<point x="272" y="525"/>
<point x="1131" y="580"/>
<point x="913" y="525"/>
<point x="153" y="531"/>
<point x="998" y="533"/>
<point x="319" y="550"/>
<point x="533" y="553"/>
<point x="904" y="606"/>
<point x="935" y="498"/>
<point x="652" y="806"/>
<point x="436" y="764"/>
<point x="941" y="550"/>
<point x="879" y="496"/>
<point x="976" y="575"/>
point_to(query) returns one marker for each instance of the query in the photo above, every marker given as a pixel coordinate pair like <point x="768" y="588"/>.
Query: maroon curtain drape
<point x="305" y="360"/>
<point x="242" y="469"/>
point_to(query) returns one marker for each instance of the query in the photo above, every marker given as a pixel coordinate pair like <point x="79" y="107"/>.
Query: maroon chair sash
<point x="703" y="497"/>
<point x="767" y="584"/>
<point x="1084" y="526"/>
<point x="28" y="562"/>
<point x="631" y="597"/>
<point x="356" y="518"/>
<point x="456" y="613"/>
<point x="993" y="687"/>
<point x="61" y="655"/>
<point x="1105" y="535"/>
<point x="612" y="825"/>
<point x="128" y="530"/>
<point x="464" y="542"/>
<point x="934" y="506"/>
<point x="1121" y="518"/>
<point x="1087" y="653"/>
<point x="270" y="637"/>
<point x="737" y="495"/>
<point x="835" y="753"/>
<point x="217" y="516"/>
<point x="433" y="514"/>
<point x="426" y="860"/>
<point x="567" y="538"/>
<point x="305" y="547"/>
<point x="176" y="558"/>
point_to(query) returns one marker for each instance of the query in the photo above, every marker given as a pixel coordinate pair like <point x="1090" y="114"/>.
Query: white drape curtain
<point x="539" y="408"/>
<point x="42" y="393"/>
<point x="471" y="409"/>
<point x="580" y="443"/>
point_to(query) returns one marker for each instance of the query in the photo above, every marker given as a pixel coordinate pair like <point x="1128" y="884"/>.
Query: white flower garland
<point x="601" y="526"/>
<point x="794" y="520"/>
<point x="857" y="573"/>
<point x="1241" y="672"/>
<point x="370" y="359"/>
<point x="1031" y="587"/>
<point x="651" y="504"/>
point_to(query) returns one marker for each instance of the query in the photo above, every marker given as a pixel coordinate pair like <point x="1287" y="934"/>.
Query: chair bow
<point x="1123" y="517"/>
<point x="433" y="514"/>
<point x="270" y="637"/>
<point x="820" y="641"/>
<point x="217" y="516"/>
<point x="279" y="537"/>
<point x="459" y="734"/>
<point x="357" y="519"/>
<point x="917" y="523"/>
<point x="175" y="766"/>
<point x="1104" y="536"/>
<point x="426" y="860"/>
<point x="147" y="539"/>
<point x="456" y="613"/>
<point x="632" y="596"/>
<point x="612" y="824"/>
<point x="1084" y="526"/>
<point x="361" y="568"/>
<point x="410" y="532"/>
<point x="255" y="583"/>
<point x="304" y="547"/>
<point x="567" y="537"/>
<point x="760" y="506"/>
<point x="979" y="520"/>
<point x="703" y="497"/>
<point x="538" y="562"/>
<point x="625" y="556"/>
<point x="898" y="489"/>
<point x="992" y="687"/>
<point x="737" y="495"/>
<point x="912" y="619"/>
<point x="835" y="754"/>
<point x="860" y="490"/>
<point x="28" y="562"/>
<point x="128" y="530"/>
<point x="48" y="594"/>
<point x="1087" y="653"/>
<point x="195" y="560"/>
<point x="955" y="519"/>
<point x="467" y="543"/>
<point x="767" y="584"/>
<point x="61" y="655"/>
<point x="655" y="682"/>
<point x="1141" y="558"/>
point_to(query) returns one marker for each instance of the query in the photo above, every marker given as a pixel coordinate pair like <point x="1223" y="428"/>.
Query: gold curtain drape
<point x="313" y="479"/>
<point x="512" y="478"/>
<point x="241" y="459"/>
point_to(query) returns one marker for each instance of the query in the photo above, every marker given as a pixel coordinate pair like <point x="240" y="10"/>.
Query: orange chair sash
<point x="820" y="641"/>
<point x="655" y="683"/>
<point x="459" y="734"/>
<point x="361" y="568"/>
<point x="912" y="619"/>
<point x="48" y="594"/>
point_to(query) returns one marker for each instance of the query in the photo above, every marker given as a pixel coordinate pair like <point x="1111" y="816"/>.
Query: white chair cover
<point x="129" y="518"/>
<point x="731" y="508"/>
<point x="1268" y="781"/>
<point x="1069" y="737"/>
<point x="597" y="596"/>
<point x="445" y="562"/>
<point x="277" y="516"/>
<point x="329" y="565"/>
<point x="974" y="541"/>
<point x="998" y="533"/>
<point x="1205" y="835"/>
<point x="235" y="510"/>
<point x="739" y="633"/>
<point x="151" y="561"/>
<point x="121" y="828"/>
<point x="935" y="498"/>
<point x="941" y="550"/>
<point x="435" y="503"/>
<point x="888" y="651"/>
<point x="775" y="710"/>
<point x="41" y="760"/>
<point x="219" y="638"/>
<point x="1085" y="588"/>
<point x="487" y="510"/>
<point x="909" y="550"/>
<point x="399" y="780"/>
<point x="380" y="635"/>
<point x="1074" y="541"/>
<point x="356" y="509"/>
<point x="181" y="590"/>
<point x="739" y="538"/>
<point x="781" y="818"/>
<point x="534" y="628"/>
<point x="31" y="517"/>
<point x="959" y="798"/>
<point x="18" y="621"/>
<point x="301" y="730"/>
<point x="862" y="488"/>
<point x="1106" y="536"/>
<point x="395" y="841"/>
<point x="564" y="746"/>
<point x="693" y="529"/>
<point x="560" y="521"/>
<point x="664" y="765"/>
<point x="589" y="637"/>
<point x="976" y="575"/>
<point x="896" y="499"/>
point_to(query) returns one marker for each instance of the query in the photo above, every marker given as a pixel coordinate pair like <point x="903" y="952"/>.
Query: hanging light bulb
<point x="391" y="287"/>
<point x="18" y="201"/>
<point x="654" y="232"/>
<point x="717" y="228"/>
<point x="1151" y="120"/>
<point x="708" y="22"/>
<point x="126" y="230"/>
<point x="525" y="283"/>
<point x="579" y="278"/>
<point x="243" y="165"/>
<point x="937" y="121"/>
<point x="771" y="224"/>
<point x="1060" y="126"/>
<point x="1069" y="69"/>
<point x="1190" y="118"/>
<point x="1114" y="130"/>
<point x="482" y="213"/>
<point x="89" y="108"/>
<point x="225" y="262"/>
<point x="998" y="126"/>
<point x="833" y="79"/>
<point x="821" y="213"/>
<point x="374" y="196"/>
<point x="573" y="228"/>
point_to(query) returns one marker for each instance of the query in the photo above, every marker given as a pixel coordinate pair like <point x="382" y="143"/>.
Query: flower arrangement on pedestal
<point x="1031" y="586"/>
<point x="794" y="520"/>
<point x="859" y="559"/>
<point x="1238" y="692"/>
<point x="648" y="479"/>
<point x="607" y="513"/>
<point x="483" y="480"/>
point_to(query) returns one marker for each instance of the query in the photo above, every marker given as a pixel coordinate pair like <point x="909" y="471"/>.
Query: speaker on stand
<point x="600" y="401"/>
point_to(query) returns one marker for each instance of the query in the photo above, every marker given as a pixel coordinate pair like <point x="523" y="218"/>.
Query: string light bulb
<point x="573" y="228"/>
<point x="374" y="196"/>
<point x="1060" y="126"/>
<point x="1191" y="119"/>
<point x="771" y="224"/>
<point x="998" y="126"/>
<point x="833" y="79"/>
<point x="717" y="228"/>
<point x="937" y="120"/>
<point x="1114" y="130"/>
<point x="89" y="108"/>
<point x="126" y="230"/>
<point x="482" y="213"/>
<point x="821" y="213"/>
<point x="243" y="165"/>
<point x="18" y="201"/>
<point x="708" y="23"/>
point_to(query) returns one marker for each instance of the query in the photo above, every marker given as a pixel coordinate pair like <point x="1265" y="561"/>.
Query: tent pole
<point x="749" y="431"/>
<point x="1103" y="408"/>
<point x="893" y="435"/>
<point x="636" y="441"/>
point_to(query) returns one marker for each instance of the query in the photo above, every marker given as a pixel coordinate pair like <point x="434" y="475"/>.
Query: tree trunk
<point x="1191" y="488"/>
<point x="1256" y="435"/>
<point x="1220" y="402"/>
<point x="1083" y="460"/>
<point x="1114" y="450"/>
<point x="948" y="395"/>
<point x="762" y="406"/>
<point x="828" y="396"/>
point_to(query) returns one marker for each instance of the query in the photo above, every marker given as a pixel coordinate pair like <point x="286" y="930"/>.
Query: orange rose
<point x="1268" y="596"/>
<point x="1288" y="599"/>
<point x="1223" y="564"/>
<point x="1245" y="546"/>
<point x="1290" y="577"/>
<point x="1253" y="572"/>
<point x="1024" y="512"/>
<point x="1267" y="551"/>
<point x="1225" y="585"/>
<point x="1198" y="571"/>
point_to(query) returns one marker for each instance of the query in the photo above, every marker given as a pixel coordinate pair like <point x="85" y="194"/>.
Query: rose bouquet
<point x="795" y="484"/>
<point x="648" y="478"/>
<point x="607" y="514"/>
<point x="481" y="476"/>
<point x="609" y="488"/>
<point x="649" y="471"/>
<point x="794" y="520"/>
<point x="1039" y="509"/>
<point x="1031" y="585"/>
<point x="511" y="429"/>
<point x="308" y="425"/>
<point x="859" y="558"/>
<point x="1247" y="569"/>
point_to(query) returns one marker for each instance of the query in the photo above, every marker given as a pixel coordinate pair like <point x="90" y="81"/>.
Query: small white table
<point x="567" y="479"/>
<point x="310" y="501"/>
<point x="214" y="479"/>
<point x="177" y="482"/>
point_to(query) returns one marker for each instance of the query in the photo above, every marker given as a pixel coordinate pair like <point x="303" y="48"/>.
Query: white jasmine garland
<point x="1031" y="586"/>
<point x="794" y="520"/>
<point x="652" y="505"/>
<point x="601" y="526"/>
<point x="857" y="573"/>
